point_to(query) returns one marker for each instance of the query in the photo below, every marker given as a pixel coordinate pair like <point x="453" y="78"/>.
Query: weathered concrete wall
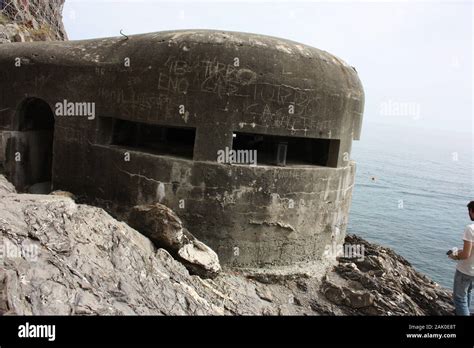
<point x="27" y="157"/>
<point x="259" y="215"/>
<point x="243" y="212"/>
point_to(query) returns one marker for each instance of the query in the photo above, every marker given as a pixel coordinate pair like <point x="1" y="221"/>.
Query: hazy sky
<point x="414" y="58"/>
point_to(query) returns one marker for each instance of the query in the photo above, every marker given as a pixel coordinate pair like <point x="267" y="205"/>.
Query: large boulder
<point x="165" y="230"/>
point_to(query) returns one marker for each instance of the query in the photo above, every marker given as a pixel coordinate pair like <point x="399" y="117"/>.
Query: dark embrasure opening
<point x="288" y="151"/>
<point x="161" y="140"/>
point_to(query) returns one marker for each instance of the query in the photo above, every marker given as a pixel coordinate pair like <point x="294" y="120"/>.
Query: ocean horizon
<point x="411" y="191"/>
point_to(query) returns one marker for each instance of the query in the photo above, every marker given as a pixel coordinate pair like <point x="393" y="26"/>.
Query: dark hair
<point x="470" y="205"/>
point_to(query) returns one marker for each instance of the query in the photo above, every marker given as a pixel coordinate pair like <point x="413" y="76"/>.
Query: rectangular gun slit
<point x="288" y="151"/>
<point x="155" y="139"/>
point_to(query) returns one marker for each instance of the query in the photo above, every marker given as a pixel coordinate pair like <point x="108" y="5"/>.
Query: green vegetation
<point x="41" y="34"/>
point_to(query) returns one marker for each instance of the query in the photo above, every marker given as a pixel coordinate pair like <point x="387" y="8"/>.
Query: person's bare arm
<point x="465" y="253"/>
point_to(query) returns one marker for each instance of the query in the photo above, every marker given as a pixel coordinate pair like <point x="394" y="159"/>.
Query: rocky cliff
<point x="31" y="20"/>
<point x="60" y="257"/>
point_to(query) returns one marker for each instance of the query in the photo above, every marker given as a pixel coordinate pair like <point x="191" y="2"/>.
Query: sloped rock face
<point x="63" y="258"/>
<point x="383" y="283"/>
<point x="59" y="257"/>
<point x="34" y="20"/>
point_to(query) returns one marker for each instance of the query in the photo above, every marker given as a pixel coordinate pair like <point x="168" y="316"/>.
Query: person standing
<point x="464" y="276"/>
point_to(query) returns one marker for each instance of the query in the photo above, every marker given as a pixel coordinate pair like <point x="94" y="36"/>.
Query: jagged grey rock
<point x="165" y="229"/>
<point x="62" y="258"/>
<point x="383" y="282"/>
<point x="5" y="187"/>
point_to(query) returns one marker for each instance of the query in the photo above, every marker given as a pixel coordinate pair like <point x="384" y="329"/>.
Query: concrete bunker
<point x="161" y="120"/>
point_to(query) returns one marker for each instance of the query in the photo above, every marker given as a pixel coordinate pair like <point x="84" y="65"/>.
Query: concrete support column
<point x="209" y="140"/>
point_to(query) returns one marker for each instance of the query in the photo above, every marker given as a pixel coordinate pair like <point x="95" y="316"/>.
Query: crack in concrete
<point x="141" y="176"/>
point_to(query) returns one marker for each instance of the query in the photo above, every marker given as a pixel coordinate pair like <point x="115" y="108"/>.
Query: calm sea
<point x="411" y="191"/>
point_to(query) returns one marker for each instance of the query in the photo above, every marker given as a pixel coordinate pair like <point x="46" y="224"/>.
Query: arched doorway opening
<point x="35" y="115"/>
<point x="30" y="151"/>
